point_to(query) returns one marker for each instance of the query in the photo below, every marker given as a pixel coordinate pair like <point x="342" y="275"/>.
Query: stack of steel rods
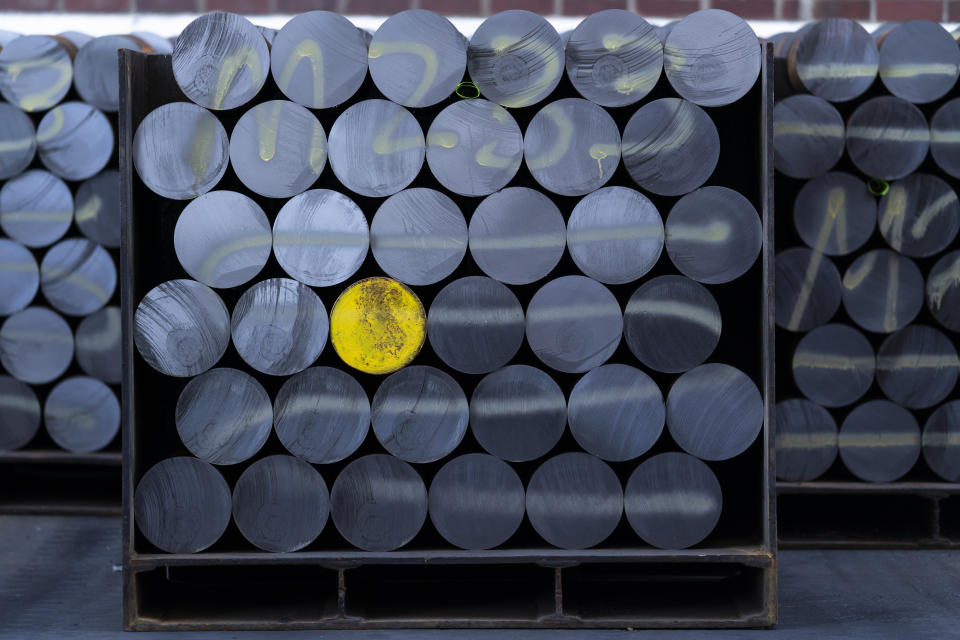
<point x="376" y="298"/>
<point x="868" y="157"/>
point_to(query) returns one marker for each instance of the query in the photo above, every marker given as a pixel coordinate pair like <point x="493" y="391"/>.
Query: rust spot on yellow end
<point x="377" y="325"/>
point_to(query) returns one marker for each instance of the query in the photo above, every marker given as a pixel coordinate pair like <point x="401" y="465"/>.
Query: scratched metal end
<point x="77" y="276"/>
<point x="919" y="216"/>
<point x="36" y="208"/>
<point x="51" y="71"/>
<point x="96" y="72"/>
<point x="882" y="291"/>
<point x="809" y="290"/>
<point x="943" y="296"/>
<point x="835" y="214"/>
<point x="834" y="365"/>
<point x="919" y="61"/>
<point x="21" y="277"/>
<point x="945" y="137"/>
<point x="36" y="345"/>
<point x="806" y="440"/>
<point x="887" y="137"/>
<point x="879" y="441"/>
<point x="82" y="414"/>
<point x="99" y="343"/>
<point x="941" y="441"/>
<point x="18" y="141"/>
<point x="917" y="367"/>
<point x="808" y="136"/>
<point x="97" y="211"/>
<point x="835" y="59"/>
<point x="21" y="414"/>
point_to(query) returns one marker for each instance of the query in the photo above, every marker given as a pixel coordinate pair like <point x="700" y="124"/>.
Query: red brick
<point x="27" y="5"/>
<point x="856" y="9"/>
<point x="302" y="6"/>
<point x="543" y="7"/>
<point x="953" y="10"/>
<point x="791" y="10"/>
<point x="167" y="6"/>
<point x="114" y="6"/>
<point x="586" y="7"/>
<point x="452" y="7"/>
<point x="667" y="8"/>
<point x="376" y="7"/>
<point x="751" y="9"/>
<point x="240" y="6"/>
<point x="899" y="10"/>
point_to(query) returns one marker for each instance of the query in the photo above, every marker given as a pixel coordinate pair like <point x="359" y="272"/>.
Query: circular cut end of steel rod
<point x="808" y="136"/>
<point x="714" y="411"/>
<point x="808" y="289"/>
<point x="712" y="57"/>
<point x="615" y="235"/>
<point x="220" y="60"/>
<point x="222" y="239"/>
<point x="224" y="416"/>
<point x="670" y="146"/>
<point x="99" y="344"/>
<point x="19" y="277"/>
<point x="887" y="138"/>
<point x="319" y="59"/>
<point x="77" y="276"/>
<point x="833" y="365"/>
<point x="943" y="291"/>
<point x="378" y="503"/>
<point x="945" y="137"/>
<point x="419" y="414"/>
<point x="280" y="504"/>
<point x="806" y="440"/>
<point x="36" y="345"/>
<point x="476" y="501"/>
<point x="82" y="414"/>
<point x="572" y="147"/>
<point x="673" y="500"/>
<point x="320" y="237"/>
<point x="574" y="501"/>
<point x="97" y="211"/>
<point x="36" y="208"/>
<point x="35" y="72"/>
<point x="835" y="59"/>
<point x="180" y="151"/>
<point x="835" y="213"/>
<point x="18" y="141"/>
<point x="941" y="441"/>
<point x="19" y="414"/>
<point x="919" y="61"/>
<point x="322" y="415"/>
<point x="917" y="367"/>
<point x="278" y="149"/>
<point x="418" y="236"/>
<point x="518" y="413"/>
<point x="376" y="148"/>
<point x="96" y="71"/>
<point x="517" y="235"/>
<point x="616" y="412"/>
<point x="181" y="328"/>
<point x="474" y="147"/>
<point x="417" y="58"/>
<point x="920" y="215"/>
<point x="279" y="326"/>
<point x="515" y="58"/>
<point x="672" y="324"/>
<point x="879" y="441"/>
<point x="882" y="291"/>
<point x="475" y="324"/>
<point x="574" y="324"/>
<point x="182" y="505"/>
<point x="614" y="58"/>
<point x="713" y="235"/>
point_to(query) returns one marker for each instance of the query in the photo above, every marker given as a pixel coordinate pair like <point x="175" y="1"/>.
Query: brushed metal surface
<point x="920" y="215"/>
<point x="882" y="291"/>
<point x="835" y="213"/>
<point x="879" y="441"/>
<point x="35" y="72"/>
<point x="806" y="440"/>
<point x="808" y="136"/>
<point x="36" y="345"/>
<point x="809" y="290"/>
<point x="835" y="59"/>
<point x="77" y="276"/>
<point x="919" y="61"/>
<point x="97" y="211"/>
<point x="99" y="343"/>
<point x="36" y="208"/>
<point x="18" y="141"/>
<point x="941" y="441"/>
<point x="19" y="414"/>
<point x="834" y="365"/>
<point x="917" y="367"/>
<point x="887" y="137"/>
<point x="19" y="277"/>
<point x="82" y="414"/>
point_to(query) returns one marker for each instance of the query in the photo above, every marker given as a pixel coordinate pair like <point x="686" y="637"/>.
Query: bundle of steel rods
<point x="867" y="152"/>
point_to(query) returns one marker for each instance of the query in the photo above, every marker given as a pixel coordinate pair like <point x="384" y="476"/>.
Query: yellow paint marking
<point x="922" y="69"/>
<point x="836" y="216"/>
<point x="35" y="216"/>
<point x="485" y="157"/>
<point x="268" y="129"/>
<point x="89" y="209"/>
<point x="713" y="232"/>
<point x="318" y="148"/>
<point x="920" y="225"/>
<point x="938" y="286"/>
<point x="894" y="216"/>
<point x="445" y="139"/>
<point x="7" y="146"/>
<point x="917" y="361"/>
<point x="42" y="99"/>
<point x="244" y="57"/>
<point x="806" y="440"/>
<point x="314" y="54"/>
<point x="872" y="440"/>
<point x="55" y="273"/>
<point x="835" y="71"/>
<point x="854" y="278"/>
<point x="890" y="318"/>
<point x="939" y="439"/>
<point x="831" y="361"/>
<point x="889" y="134"/>
<point x="199" y="155"/>
<point x="782" y="128"/>
<point x="500" y="114"/>
<point x="601" y="151"/>
<point x="382" y="144"/>
<point x="552" y="65"/>
<point x="51" y="127"/>
<point x="425" y="53"/>
<point x="561" y="143"/>
<point x="220" y="254"/>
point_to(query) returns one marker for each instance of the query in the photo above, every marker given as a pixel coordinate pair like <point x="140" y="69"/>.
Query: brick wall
<point x="874" y="10"/>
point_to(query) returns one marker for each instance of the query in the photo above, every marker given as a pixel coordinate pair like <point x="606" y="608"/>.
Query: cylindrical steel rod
<point x="99" y="343"/>
<point x="18" y="141"/>
<point x="378" y="503"/>
<point x="224" y="416"/>
<point x="945" y="137"/>
<point x="77" y="276"/>
<point x="322" y="415"/>
<point x="808" y="291"/>
<point x="36" y="71"/>
<point x="518" y="413"/>
<point x="82" y="414"/>
<point x="220" y="60"/>
<point x="280" y="504"/>
<point x="919" y="61"/>
<point x="882" y="291"/>
<point x="835" y="59"/>
<point x="806" y="440"/>
<point x="19" y="277"/>
<point x="36" y="208"/>
<point x="419" y="414"/>
<point x="476" y="501"/>
<point x="917" y="367"/>
<point x="181" y="328"/>
<point x="808" y="136"/>
<point x="943" y="295"/>
<point x="887" y="137"/>
<point x="616" y="412"/>
<point x="223" y="239"/>
<point x="835" y="213"/>
<point x="941" y="441"/>
<point x="19" y="414"/>
<point x="97" y="211"/>
<point x="673" y="500"/>
<point x="712" y="57"/>
<point x="36" y="345"/>
<point x="96" y="70"/>
<point x="834" y="365"/>
<point x="517" y="235"/>
<point x="614" y="58"/>
<point x="574" y="324"/>
<point x="182" y="505"/>
<point x="713" y="235"/>
<point x="920" y="215"/>
<point x="672" y="323"/>
<point x="279" y="326"/>
<point x="670" y="146"/>
<point x="574" y="501"/>
<point x="879" y="441"/>
<point x="714" y="411"/>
